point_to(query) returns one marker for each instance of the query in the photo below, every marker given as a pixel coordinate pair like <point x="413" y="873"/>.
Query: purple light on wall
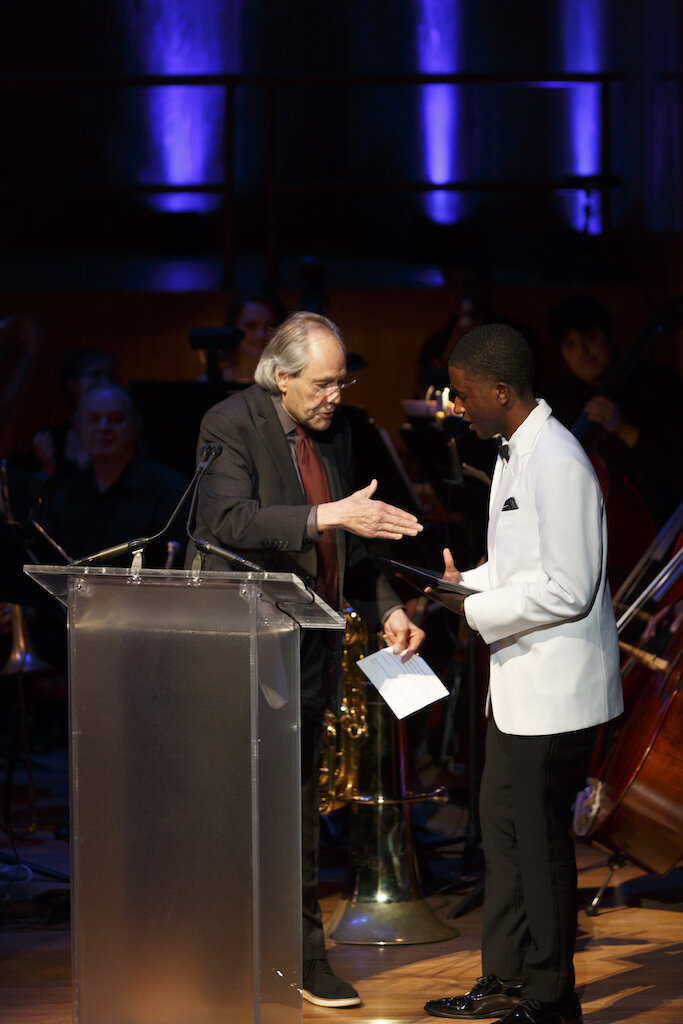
<point x="438" y="46"/>
<point x="185" y="123"/>
<point x="182" y="122"/>
<point x="581" y="34"/>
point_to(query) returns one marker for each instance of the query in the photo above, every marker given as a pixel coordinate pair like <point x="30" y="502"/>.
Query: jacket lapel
<point x="501" y="474"/>
<point x="275" y="441"/>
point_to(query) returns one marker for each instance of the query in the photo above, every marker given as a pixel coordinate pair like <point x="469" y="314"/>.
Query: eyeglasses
<point x="329" y="390"/>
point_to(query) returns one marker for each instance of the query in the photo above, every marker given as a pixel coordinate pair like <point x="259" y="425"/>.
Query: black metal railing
<point x="276" y="190"/>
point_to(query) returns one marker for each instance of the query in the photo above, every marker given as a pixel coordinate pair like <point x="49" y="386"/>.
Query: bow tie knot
<point x="503" y="448"/>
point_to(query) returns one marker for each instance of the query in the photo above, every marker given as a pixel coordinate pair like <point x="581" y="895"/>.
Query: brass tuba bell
<point x="365" y="764"/>
<point x="23" y="659"/>
<point x="344" y="734"/>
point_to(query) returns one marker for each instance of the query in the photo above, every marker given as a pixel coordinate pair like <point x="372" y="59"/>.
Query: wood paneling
<point x="149" y="333"/>
<point x="628" y="959"/>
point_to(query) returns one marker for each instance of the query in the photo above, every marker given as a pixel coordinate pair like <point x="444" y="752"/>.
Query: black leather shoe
<point x="490" y="997"/>
<point x="320" y="985"/>
<point x="529" y="1011"/>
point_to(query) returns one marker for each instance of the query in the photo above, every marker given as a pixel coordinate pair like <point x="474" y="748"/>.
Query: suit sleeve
<point x="568" y="508"/>
<point x="477" y="578"/>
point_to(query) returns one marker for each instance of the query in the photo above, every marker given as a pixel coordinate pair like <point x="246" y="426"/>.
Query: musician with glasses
<point x="279" y="495"/>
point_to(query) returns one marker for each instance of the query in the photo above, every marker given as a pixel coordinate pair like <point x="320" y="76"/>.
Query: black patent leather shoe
<point x="529" y="1011"/>
<point x="490" y="997"/>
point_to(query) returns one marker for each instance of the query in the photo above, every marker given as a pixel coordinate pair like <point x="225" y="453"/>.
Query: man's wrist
<point x="387" y="615"/>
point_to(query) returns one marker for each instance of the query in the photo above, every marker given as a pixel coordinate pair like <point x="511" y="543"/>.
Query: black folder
<point x="422" y="578"/>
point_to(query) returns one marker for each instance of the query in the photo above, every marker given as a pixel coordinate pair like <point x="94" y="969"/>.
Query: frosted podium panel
<point x="185" y="801"/>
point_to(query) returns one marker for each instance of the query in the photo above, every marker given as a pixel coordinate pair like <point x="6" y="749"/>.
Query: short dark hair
<point x="578" y="313"/>
<point x="496" y="352"/>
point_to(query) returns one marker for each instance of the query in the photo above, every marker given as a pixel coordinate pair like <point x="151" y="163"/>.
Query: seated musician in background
<point x="466" y="283"/>
<point x="58" y="448"/>
<point x="279" y="494"/>
<point x="542" y="604"/>
<point x="120" y="495"/>
<point x="633" y="424"/>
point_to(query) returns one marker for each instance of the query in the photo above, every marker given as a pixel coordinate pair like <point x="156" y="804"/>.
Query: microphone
<point x="204" y="547"/>
<point x="207" y="455"/>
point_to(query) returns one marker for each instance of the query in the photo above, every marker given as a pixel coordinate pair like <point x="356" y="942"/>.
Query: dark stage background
<point x="382" y="139"/>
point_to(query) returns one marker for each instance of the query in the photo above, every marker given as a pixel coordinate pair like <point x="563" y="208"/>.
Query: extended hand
<point x="454" y="602"/>
<point x="402" y="635"/>
<point x="450" y="573"/>
<point x="361" y="515"/>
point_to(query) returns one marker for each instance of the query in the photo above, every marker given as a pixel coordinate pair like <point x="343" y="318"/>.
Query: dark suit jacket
<point x="251" y="501"/>
<point x="84" y="520"/>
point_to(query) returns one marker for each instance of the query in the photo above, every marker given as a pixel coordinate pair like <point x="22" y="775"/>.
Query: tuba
<point x="365" y="764"/>
<point x="22" y="659"/>
<point x="344" y="734"/>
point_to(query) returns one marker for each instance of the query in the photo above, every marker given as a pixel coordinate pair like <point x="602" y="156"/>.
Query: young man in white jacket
<point x="543" y="606"/>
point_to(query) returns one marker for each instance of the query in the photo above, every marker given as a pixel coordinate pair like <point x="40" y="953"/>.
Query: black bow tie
<point x="503" y="448"/>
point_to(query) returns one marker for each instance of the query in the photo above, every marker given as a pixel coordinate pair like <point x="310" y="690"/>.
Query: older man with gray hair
<point x="279" y="495"/>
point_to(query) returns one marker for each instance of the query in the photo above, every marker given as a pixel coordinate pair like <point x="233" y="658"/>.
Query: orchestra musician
<point x="631" y="421"/>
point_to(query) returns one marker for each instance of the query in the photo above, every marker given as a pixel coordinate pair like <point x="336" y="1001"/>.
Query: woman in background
<point x="256" y="314"/>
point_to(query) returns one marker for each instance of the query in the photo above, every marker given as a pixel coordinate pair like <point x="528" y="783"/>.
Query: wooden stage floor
<point x="629" y="959"/>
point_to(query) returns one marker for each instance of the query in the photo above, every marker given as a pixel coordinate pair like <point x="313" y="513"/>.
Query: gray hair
<point x="289" y="348"/>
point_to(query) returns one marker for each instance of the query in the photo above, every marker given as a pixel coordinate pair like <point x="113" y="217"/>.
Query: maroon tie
<point x="318" y="493"/>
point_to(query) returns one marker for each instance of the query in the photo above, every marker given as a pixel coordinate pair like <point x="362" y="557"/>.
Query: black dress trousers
<point x="530" y="902"/>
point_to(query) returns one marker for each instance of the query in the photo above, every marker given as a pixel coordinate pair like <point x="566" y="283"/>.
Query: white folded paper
<point x="406" y="686"/>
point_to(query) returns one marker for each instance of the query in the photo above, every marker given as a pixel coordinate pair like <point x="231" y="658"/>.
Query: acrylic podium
<point x="185" y="796"/>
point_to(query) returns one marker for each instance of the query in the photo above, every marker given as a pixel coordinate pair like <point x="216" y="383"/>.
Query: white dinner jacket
<point x="545" y="607"/>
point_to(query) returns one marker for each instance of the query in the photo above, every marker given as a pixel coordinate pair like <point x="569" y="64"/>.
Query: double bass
<point x="633" y="805"/>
